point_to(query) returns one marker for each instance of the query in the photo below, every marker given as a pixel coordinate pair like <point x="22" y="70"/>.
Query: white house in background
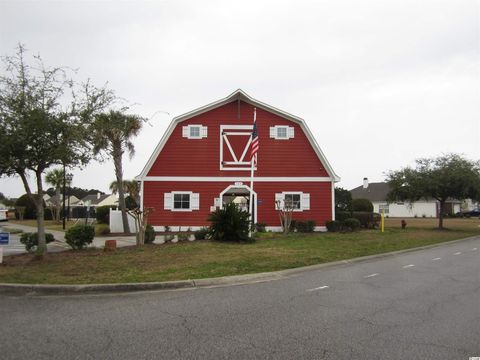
<point x="98" y="200"/>
<point x="377" y="194"/>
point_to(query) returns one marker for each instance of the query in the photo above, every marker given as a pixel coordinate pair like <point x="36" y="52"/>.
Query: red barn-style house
<point x="203" y="161"/>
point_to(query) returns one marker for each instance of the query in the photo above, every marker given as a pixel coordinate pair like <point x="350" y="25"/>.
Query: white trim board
<point x="236" y="179"/>
<point x="238" y="95"/>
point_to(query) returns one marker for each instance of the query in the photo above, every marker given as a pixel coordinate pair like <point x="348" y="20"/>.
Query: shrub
<point x="130" y="203"/>
<point x="149" y="234"/>
<point x="201" y="234"/>
<point x="79" y="236"/>
<point x="260" y="227"/>
<point x="103" y="214"/>
<point x="362" y="205"/>
<point x="334" y="225"/>
<point x="368" y="220"/>
<point x="102" y="229"/>
<point x="229" y="224"/>
<point x="342" y="215"/>
<point x="305" y="226"/>
<point x="351" y="224"/>
<point x="30" y="240"/>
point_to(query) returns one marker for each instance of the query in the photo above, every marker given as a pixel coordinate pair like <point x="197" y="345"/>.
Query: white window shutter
<point x="186" y="131"/>
<point x="203" y="132"/>
<point x="195" y="201"/>
<point x="291" y="132"/>
<point x="168" y="201"/>
<point x="305" y="201"/>
<point x="279" y="197"/>
<point x="273" y="132"/>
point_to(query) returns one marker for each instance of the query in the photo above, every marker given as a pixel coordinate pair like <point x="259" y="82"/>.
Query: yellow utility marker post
<point x="383" y="220"/>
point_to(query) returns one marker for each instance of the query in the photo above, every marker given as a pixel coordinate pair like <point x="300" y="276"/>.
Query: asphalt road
<point x="419" y="305"/>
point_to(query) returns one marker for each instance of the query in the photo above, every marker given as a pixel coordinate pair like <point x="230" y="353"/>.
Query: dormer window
<point x="282" y="132"/>
<point x="194" y="132"/>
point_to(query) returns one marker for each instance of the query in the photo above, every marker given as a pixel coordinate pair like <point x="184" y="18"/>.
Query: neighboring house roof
<point x="374" y="192"/>
<point x="94" y="199"/>
<point x="57" y="199"/>
<point x="239" y="95"/>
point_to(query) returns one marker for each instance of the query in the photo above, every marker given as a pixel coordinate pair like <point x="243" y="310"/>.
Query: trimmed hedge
<point x="362" y="205"/>
<point x="305" y="226"/>
<point x="334" y="225"/>
<point x="351" y="224"/>
<point x="102" y="229"/>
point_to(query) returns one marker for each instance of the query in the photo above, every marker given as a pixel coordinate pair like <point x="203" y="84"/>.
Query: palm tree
<point x="111" y="134"/>
<point x="130" y="187"/>
<point x="55" y="178"/>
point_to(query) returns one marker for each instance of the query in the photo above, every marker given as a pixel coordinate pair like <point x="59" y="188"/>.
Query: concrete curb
<point x="33" y="289"/>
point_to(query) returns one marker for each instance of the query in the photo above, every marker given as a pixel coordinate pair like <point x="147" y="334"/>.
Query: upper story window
<point x="194" y="131"/>
<point x="282" y="132"/>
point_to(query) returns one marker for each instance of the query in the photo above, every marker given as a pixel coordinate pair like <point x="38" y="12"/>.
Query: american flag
<point x="254" y="147"/>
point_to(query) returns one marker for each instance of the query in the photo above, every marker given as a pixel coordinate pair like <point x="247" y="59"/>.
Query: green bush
<point x="305" y="226"/>
<point x="79" y="236"/>
<point x="149" y="234"/>
<point x="102" y="214"/>
<point x="102" y="229"/>
<point x="334" y="225"/>
<point x="342" y="215"/>
<point x="362" y="205"/>
<point x="201" y="234"/>
<point x="30" y="240"/>
<point x="260" y="227"/>
<point x="351" y="224"/>
<point x="368" y="220"/>
<point x="229" y="224"/>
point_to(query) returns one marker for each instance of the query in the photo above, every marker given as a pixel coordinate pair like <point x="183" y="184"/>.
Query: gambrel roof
<point x="242" y="96"/>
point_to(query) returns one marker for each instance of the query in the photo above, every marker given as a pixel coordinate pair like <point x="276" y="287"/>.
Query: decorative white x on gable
<point x="235" y="143"/>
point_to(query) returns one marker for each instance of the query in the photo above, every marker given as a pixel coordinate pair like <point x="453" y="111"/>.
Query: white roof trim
<point x="238" y="95"/>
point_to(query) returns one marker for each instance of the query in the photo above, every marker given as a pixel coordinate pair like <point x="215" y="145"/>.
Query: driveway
<point x="417" y="305"/>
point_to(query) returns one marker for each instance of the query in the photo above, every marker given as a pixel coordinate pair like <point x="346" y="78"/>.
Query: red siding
<point x="320" y="201"/>
<point x="200" y="157"/>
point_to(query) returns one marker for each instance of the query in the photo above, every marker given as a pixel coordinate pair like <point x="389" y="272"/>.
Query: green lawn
<point x="201" y="259"/>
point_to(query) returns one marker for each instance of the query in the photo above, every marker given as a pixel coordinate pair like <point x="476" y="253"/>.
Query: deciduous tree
<point x="43" y="113"/>
<point x="445" y="177"/>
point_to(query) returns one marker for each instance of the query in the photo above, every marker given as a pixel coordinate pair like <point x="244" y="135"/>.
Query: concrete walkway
<point x="61" y="245"/>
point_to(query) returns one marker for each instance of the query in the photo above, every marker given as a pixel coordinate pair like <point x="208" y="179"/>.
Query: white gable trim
<point x="238" y="95"/>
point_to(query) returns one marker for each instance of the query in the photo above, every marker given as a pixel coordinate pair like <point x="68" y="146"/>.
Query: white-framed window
<point x="300" y="201"/>
<point x="383" y="207"/>
<point x="181" y="201"/>
<point x="194" y="131"/>
<point x="282" y="132"/>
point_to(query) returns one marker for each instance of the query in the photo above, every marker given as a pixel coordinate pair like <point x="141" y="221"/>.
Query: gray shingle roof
<point x="374" y="192"/>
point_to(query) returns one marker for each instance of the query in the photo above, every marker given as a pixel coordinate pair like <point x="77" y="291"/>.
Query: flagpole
<point x="252" y="173"/>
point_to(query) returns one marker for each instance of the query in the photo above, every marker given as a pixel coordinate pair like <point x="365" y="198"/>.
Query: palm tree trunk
<point x="117" y="159"/>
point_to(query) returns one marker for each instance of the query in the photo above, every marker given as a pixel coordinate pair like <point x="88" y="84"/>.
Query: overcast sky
<point x="379" y="83"/>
